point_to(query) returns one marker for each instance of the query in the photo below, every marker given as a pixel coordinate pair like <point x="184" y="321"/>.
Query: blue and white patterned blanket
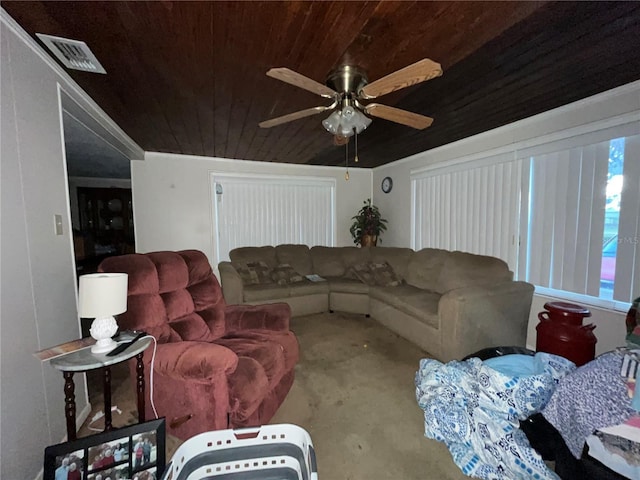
<point x="475" y="410"/>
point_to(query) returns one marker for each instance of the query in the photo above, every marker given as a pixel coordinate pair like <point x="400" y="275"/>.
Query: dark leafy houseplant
<point x="367" y="225"/>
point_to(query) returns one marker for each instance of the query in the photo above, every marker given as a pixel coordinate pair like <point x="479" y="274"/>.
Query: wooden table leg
<point x="107" y="398"/>
<point x="140" y="386"/>
<point x="70" y="405"/>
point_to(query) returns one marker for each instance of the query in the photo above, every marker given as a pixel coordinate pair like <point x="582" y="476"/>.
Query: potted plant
<point x="367" y="225"/>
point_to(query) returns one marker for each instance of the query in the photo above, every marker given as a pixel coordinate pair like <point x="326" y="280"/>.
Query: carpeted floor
<point x="353" y="393"/>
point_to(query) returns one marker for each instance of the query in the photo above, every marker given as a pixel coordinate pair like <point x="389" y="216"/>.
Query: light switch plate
<point x="57" y="220"/>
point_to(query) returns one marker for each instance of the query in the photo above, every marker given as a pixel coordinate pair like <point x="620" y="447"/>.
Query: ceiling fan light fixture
<point x="332" y="122"/>
<point x="353" y="120"/>
<point x="346" y="122"/>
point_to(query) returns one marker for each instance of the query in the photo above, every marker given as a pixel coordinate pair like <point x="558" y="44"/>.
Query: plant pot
<point x="368" y="240"/>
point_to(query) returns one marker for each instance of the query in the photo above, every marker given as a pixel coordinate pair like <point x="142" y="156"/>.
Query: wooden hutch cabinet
<point x="106" y="226"/>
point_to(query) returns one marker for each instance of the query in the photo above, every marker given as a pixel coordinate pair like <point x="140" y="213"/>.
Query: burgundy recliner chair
<point x="226" y="366"/>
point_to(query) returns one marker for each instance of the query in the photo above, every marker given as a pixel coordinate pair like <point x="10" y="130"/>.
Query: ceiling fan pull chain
<point x="355" y="130"/>
<point x="346" y="160"/>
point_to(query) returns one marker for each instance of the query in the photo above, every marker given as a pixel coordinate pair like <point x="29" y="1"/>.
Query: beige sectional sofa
<point x="449" y="303"/>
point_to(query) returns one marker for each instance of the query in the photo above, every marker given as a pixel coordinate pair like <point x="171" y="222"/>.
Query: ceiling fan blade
<point x="397" y="115"/>
<point x="299" y="80"/>
<point x="294" y="116"/>
<point x="417" y="72"/>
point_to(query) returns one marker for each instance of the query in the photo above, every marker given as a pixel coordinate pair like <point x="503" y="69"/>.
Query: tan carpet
<point x="354" y="394"/>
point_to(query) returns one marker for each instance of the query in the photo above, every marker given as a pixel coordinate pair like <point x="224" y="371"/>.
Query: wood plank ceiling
<point x="189" y="77"/>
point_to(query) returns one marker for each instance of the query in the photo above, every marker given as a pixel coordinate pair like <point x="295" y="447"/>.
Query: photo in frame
<point x="127" y="453"/>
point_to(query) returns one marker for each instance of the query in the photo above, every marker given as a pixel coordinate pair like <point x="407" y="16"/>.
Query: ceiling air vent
<point x="73" y="54"/>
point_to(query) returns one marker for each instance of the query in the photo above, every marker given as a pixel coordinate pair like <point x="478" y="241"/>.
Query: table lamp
<point x="101" y="296"/>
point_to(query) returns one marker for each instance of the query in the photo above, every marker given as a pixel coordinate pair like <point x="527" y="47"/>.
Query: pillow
<point x="253" y="273"/>
<point x="362" y="272"/>
<point x="383" y="275"/>
<point x="284" y="274"/>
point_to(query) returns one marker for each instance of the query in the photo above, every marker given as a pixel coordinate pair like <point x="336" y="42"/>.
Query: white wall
<point x="603" y="109"/>
<point x="172" y="198"/>
<point x="38" y="285"/>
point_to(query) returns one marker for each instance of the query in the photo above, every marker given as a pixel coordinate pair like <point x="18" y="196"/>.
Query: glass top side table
<point x="82" y="361"/>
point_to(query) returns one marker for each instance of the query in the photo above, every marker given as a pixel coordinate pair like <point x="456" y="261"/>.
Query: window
<point x="267" y="210"/>
<point x="581" y="230"/>
<point x="564" y="215"/>
<point x="470" y="208"/>
<point x="613" y="196"/>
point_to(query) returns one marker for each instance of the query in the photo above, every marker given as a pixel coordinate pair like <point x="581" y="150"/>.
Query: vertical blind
<point x="475" y="209"/>
<point x="565" y="225"/>
<point x="566" y="221"/>
<point x="542" y="210"/>
<point x="627" y="279"/>
<point x="256" y="211"/>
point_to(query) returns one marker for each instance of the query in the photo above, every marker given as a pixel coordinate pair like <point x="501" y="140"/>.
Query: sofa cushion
<point x="412" y="301"/>
<point x="466" y="270"/>
<point x="172" y="271"/>
<point x="209" y="303"/>
<point x="171" y="295"/>
<point x="255" y="293"/>
<point x="297" y="256"/>
<point x="253" y="273"/>
<point x="327" y="261"/>
<point x="248" y="386"/>
<point x="143" y="276"/>
<point x="398" y="258"/>
<point x="146" y="312"/>
<point x="284" y="274"/>
<point x="205" y="291"/>
<point x="269" y="354"/>
<point x="286" y="340"/>
<point x="354" y="256"/>
<point x="425" y="267"/>
<point x="191" y="328"/>
<point x="360" y="272"/>
<point x="308" y="288"/>
<point x="182" y="318"/>
<point x="254" y="254"/>
<point x="383" y="275"/>
<point x="347" y="285"/>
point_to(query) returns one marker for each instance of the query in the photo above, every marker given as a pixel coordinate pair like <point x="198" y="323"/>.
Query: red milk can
<point x="564" y="312"/>
<point x="561" y="332"/>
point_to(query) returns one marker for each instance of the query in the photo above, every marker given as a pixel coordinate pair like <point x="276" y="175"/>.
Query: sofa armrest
<point x="232" y="286"/>
<point x="194" y="361"/>
<point x="477" y="317"/>
<point x="273" y="316"/>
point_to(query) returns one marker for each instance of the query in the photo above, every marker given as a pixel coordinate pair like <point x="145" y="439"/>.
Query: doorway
<point x="98" y="161"/>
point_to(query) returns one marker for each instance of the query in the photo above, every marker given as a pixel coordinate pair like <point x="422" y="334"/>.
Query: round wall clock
<point x="387" y="184"/>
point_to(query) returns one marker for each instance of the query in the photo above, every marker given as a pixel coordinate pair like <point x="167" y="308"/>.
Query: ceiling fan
<point x="347" y="86"/>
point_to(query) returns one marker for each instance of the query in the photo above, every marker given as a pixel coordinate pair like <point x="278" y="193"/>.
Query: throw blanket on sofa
<point x="475" y="410"/>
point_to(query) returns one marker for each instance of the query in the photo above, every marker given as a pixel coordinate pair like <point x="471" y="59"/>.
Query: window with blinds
<point x="472" y="208"/>
<point x="265" y="210"/>
<point x="581" y="231"/>
<point x="564" y="215"/>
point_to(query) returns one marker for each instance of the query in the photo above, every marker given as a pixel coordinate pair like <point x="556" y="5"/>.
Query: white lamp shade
<point x="102" y="294"/>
